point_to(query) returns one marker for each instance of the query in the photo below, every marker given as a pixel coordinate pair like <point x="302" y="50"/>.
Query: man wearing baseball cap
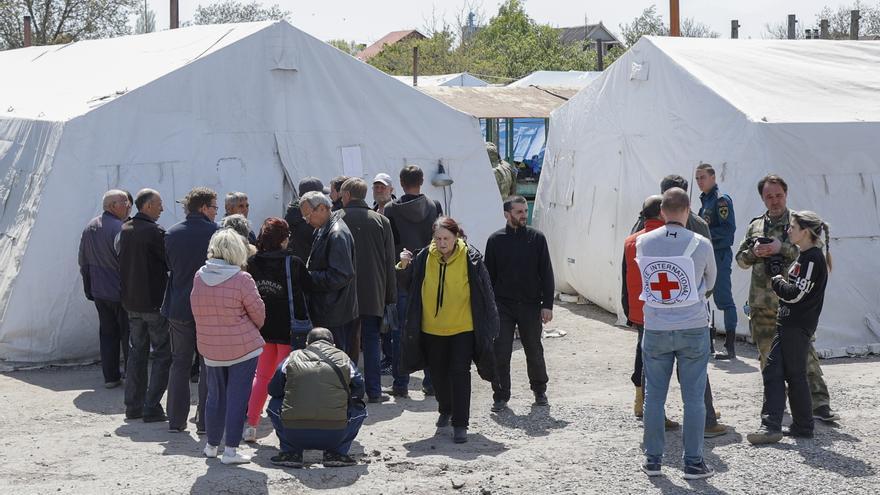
<point x="383" y="192"/>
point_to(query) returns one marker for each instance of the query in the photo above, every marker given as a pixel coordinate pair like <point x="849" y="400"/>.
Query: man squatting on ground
<point x="677" y="268"/>
<point x="767" y="251"/>
<point x="518" y="263"/>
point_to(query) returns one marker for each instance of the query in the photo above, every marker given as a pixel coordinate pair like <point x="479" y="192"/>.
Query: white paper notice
<point x="352" y="164"/>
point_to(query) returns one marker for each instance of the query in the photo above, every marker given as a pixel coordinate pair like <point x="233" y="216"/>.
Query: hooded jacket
<point x="446" y="296"/>
<point x="333" y="287"/>
<point x="483" y="312"/>
<point x="228" y="312"/>
<point x="412" y="218"/>
<point x="270" y="276"/>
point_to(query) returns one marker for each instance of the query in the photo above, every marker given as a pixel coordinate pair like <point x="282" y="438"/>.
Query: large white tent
<point x="245" y="107"/>
<point x="806" y="110"/>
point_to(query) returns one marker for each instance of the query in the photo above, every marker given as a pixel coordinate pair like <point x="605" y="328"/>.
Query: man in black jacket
<point x="518" y="263"/>
<point x="186" y="246"/>
<point x="301" y="233"/>
<point x="143" y="273"/>
<point x="412" y="219"/>
<point x="332" y="298"/>
<point x="376" y="284"/>
<point x="99" y="267"/>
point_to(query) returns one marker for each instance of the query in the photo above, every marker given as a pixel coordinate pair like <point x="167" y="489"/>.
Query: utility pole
<point x="415" y="66"/>
<point x="823" y="29"/>
<point x="27" y="31"/>
<point x="674" y="19"/>
<point x="175" y="14"/>
<point x="854" y="25"/>
<point x="792" y="20"/>
<point x="734" y="29"/>
<point x="600" y="55"/>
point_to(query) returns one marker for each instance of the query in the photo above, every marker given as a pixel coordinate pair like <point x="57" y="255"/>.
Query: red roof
<point x="389" y="39"/>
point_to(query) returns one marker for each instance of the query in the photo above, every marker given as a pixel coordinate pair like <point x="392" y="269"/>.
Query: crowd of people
<point x="288" y="310"/>
<point x="673" y="261"/>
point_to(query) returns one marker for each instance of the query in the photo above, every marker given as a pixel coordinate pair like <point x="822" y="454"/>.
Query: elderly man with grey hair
<point x="333" y="289"/>
<point x="237" y="204"/>
<point x="99" y="267"/>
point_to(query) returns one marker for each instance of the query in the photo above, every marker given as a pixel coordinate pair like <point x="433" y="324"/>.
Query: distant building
<point x="589" y="32"/>
<point x="387" y="40"/>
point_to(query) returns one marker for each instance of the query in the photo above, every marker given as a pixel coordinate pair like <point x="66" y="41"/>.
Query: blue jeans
<point x="370" y="326"/>
<point x="296" y="440"/>
<point x="660" y="350"/>
<point x="229" y="389"/>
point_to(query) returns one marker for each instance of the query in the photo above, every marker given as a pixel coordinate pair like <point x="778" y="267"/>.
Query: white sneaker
<point x="211" y="450"/>
<point x="250" y="433"/>
<point x="230" y="456"/>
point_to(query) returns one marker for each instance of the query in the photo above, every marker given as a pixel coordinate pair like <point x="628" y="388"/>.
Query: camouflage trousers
<point x="762" y="325"/>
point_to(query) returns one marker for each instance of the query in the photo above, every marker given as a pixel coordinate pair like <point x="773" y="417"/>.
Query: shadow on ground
<point x="441" y="444"/>
<point x="537" y="423"/>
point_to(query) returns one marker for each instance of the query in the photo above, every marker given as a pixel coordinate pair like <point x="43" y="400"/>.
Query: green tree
<point x="650" y="23"/>
<point x="349" y="47"/>
<point x="230" y="11"/>
<point x="839" y="20"/>
<point x="437" y="55"/>
<point x="64" y="21"/>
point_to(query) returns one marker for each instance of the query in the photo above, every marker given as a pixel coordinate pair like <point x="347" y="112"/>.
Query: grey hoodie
<point x="216" y="271"/>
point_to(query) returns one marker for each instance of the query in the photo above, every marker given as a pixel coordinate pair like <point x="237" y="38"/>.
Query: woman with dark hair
<point x="280" y="278"/>
<point x="451" y="320"/>
<point x="800" y="303"/>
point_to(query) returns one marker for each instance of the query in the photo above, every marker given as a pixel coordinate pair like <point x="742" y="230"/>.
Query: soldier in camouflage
<point x="766" y="250"/>
<point x="505" y="174"/>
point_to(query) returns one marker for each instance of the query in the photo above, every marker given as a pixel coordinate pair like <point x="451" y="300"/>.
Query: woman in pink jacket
<point x="229" y="313"/>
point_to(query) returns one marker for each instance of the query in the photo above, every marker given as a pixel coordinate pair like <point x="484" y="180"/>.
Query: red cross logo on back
<point x="665" y="286"/>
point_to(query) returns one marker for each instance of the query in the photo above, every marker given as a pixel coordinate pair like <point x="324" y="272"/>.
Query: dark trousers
<point x="638" y="379"/>
<point x="401" y="381"/>
<point x="386" y="349"/>
<point x="370" y="337"/>
<point x="344" y="336"/>
<point x="449" y="359"/>
<point x="183" y="350"/>
<point x="528" y="318"/>
<point x="113" y="333"/>
<point x="147" y="331"/>
<point x="787" y="364"/>
<point x="295" y="440"/>
<point x="229" y="388"/>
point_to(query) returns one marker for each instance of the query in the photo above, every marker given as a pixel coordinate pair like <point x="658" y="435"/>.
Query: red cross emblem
<point x="665" y="286"/>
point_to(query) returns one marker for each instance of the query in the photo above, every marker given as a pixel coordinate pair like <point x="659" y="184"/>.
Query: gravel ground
<point x="58" y="433"/>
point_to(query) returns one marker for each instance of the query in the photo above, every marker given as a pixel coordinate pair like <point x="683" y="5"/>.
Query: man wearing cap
<point x="383" y="192"/>
<point x="301" y="232"/>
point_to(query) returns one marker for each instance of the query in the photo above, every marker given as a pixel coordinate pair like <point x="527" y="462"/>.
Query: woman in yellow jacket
<point x="451" y="321"/>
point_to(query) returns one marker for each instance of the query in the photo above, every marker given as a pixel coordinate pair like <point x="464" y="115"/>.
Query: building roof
<point x="457" y="79"/>
<point x="389" y="39"/>
<point x="492" y="102"/>
<point x="589" y="31"/>
<point x="558" y="79"/>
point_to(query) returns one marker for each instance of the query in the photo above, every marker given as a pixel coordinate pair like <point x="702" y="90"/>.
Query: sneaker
<point x="428" y="391"/>
<point x="670" y="424"/>
<point x="287" y="459"/>
<point x="652" y="468"/>
<point x="443" y="420"/>
<point x="230" y="456"/>
<point x="715" y="431"/>
<point x="824" y="413"/>
<point x="155" y="418"/>
<point x="378" y="399"/>
<point x="335" y="459"/>
<point x="764" y="436"/>
<point x="459" y="434"/>
<point x="797" y="432"/>
<point x="396" y="392"/>
<point x="697" y="471"/>
<point x="112" y="384"/>
<point x="211" y="450"/>
<point x="541" y="399"/>
<point x="499" y="405"/>
<point x="250" y="434"/>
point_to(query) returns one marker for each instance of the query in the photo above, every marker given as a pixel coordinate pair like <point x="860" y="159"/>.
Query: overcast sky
<point x="367" y="21"/>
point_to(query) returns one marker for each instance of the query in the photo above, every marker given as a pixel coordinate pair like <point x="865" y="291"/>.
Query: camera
<point x="774" y="265"/>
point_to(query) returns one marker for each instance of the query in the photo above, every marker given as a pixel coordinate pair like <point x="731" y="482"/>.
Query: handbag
<point x="389" y="319"/>
<point x="296" y="326"/>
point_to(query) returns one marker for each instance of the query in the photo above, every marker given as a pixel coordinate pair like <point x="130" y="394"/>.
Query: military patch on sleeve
<point x="723" y="209"/>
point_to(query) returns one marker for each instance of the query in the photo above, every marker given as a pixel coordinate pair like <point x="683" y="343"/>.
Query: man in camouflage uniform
<point x="505" y="175"/>
<point x="777" y="254"/>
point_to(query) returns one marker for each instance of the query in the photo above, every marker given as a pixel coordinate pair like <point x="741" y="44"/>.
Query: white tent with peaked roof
<point x="806" y="110"/>
<point x="245" y="107"/>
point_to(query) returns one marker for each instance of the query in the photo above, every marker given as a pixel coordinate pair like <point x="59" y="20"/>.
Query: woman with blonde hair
<point x="800" y="304"/>
<point x="228" y="312"/>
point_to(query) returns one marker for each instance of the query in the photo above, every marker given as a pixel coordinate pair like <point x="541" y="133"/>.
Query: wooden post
<point x="27" y="31"/>
<point x="734" y="29"/>
<point x="854" y="24"/>
<point x="823" y="29"/>
<point x="600" y="55"/>
<point x="674" y="21"/>
<point x="174" y="11"/>
<point x="792" y="20"/>
<point x="415" y="66"/>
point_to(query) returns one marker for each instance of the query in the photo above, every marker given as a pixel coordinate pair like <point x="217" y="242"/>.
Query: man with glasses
<point x="186" y="246"/>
